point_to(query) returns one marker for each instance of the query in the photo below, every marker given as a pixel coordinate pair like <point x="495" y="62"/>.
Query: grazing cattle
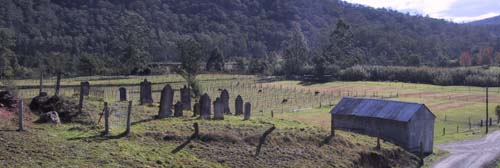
<point x="260" y="91"/>
<point x="316" y="93"/>
<point x="284" y="101"/>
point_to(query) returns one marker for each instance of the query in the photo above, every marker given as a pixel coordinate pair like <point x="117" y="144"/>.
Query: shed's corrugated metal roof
<point x="376" y="108"/>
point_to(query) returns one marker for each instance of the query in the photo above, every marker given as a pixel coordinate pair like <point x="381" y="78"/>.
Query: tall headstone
<point x="178" y="108"/>
<point x="224" y="96"/>
<point x="248" y="109"/>
<point x="85" y="88"/>
<point x="186" y="97"/>
<point x="146" y="92"/>
<point x="122" y="94"/>
<point x="196" y="109"/>
<point x="238" y="105"/>
<point x="205" y="106"/>
<point x="218" y="109"/>
<point x="166" y="101"/>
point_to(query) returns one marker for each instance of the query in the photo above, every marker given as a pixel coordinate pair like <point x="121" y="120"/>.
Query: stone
<point x="166" y="102"/>
<point x="248" y="109"/>
<point x="224" y="96"/>
<point x="146" y="92"/>
<point x="122" y="94"/>
<point x="186" y="97"/>
<point x="8" y="99"/>
<point x="178" y="108"/>
<point x="85" y="88"/>
<point x="196" y="109"/>
<point x="50" y="117"/>
<point x="218" y="109"/>
<point x="238" y="105"/>
<point x="205" y="106"/>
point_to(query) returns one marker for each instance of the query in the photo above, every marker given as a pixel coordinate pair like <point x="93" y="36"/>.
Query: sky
<point x="458" y="11"/>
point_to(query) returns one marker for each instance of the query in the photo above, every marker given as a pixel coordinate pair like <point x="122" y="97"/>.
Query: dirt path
<point x="471" y="153"/>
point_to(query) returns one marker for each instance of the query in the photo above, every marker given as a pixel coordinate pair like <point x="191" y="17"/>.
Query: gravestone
<point x="178" y="109"/>
<point x="248" y="109"/>
<point x="186" y="97"/>
<point x="146" y="92"/>
<point x="85" y="88"/>
<point x="218" y="109"/>
<point x="238" y="105"/>
<point x="196" y="109"/>
<point x="224" y="96"/>
<point x="166" y="101"/>
<point x="122" y="94"/>
<point x="205" y="106"/>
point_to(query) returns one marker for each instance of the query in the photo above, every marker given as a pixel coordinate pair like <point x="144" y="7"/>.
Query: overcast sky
<point x="454" y="10"/>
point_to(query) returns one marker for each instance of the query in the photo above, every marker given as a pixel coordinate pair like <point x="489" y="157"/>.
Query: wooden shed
<point x="404" y="123"/>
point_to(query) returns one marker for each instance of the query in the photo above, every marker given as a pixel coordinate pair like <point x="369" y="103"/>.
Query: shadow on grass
<point x="101" y="137"/>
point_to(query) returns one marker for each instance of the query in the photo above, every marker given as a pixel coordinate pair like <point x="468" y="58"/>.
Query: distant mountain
<point x="489" y="21"/>
<point x="101" y="32"/>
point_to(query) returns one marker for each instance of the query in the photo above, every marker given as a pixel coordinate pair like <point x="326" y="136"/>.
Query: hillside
<point x="488" y="21"/>
<point x="126" y="34"/>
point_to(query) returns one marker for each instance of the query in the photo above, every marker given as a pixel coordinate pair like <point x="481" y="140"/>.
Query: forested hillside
<point x="489" y="21"/>
<point x="114" y="36"/>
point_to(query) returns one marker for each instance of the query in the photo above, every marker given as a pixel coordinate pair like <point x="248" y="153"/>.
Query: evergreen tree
<point x="340" y="50"/>
<point x="216" y="61"/>
<point x="296" y="52"/>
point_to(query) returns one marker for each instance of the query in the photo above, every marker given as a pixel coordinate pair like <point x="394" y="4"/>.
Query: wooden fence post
<point x="40" y="89"/>
<point x="129" y="112"/>
<point x="21" y="116"/>
<point x="58" y="83"/>
<point x="106" y="119"/>
<point x="263" y="139"/>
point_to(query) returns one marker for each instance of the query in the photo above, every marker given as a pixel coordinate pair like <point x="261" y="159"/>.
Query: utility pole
<point x="486" y="109"/>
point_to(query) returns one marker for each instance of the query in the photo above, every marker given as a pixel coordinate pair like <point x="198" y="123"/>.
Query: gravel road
<point x="471" y="153"/>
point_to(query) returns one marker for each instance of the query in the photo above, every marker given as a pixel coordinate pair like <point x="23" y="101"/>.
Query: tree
<point x="465" y="59"/>
<point x="190" y="54"/>
<point x="216" y="61"/>
<point x="340" y="50"/>
<point x="89" y="65"/>
<point x="295" y="55"/>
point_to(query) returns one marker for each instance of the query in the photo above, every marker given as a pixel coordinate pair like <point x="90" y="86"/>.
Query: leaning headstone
<point x="178" y="109"/>
<point x="186" y="97"/>
<point x="122" y="94"/>
<point x="248" y="109"/>
<point x="146" y="92"/>
<point x="85" y="88"/>
<point x="224" y="96"/>
<point x="238" y="105"/>
<point x="166" y="101"/>
<point x="196" y="109"/>
<point x="205" y="106"/>
<point x="218" y="109"/>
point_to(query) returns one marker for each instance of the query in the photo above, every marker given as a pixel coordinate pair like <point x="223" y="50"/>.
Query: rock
<point x="8" y="99"/>
<point x="50" y="117"/>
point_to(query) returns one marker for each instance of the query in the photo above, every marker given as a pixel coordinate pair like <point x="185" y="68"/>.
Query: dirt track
<point x="471" y="153"/>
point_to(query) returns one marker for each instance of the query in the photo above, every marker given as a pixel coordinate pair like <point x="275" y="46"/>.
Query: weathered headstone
<point x="218" y="109"/>
<point x="205" y="106"/>
<point x="224" y="96"/>
<point x="178" y="108"/>
<point x="166" y="101"/>
<point x="196" y="109"/>
<point x="248" y="109"/>
<point x="186" y="97"/>
<point x="238" y="105"/>
<point x="85" y="86"/>
<point x="122" y="94"/>
<point x="146" y="92"/>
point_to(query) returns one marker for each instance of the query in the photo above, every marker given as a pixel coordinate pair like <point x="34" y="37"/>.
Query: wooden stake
<point x="486" y="110"/>
<point x="129" y="112"/>
<point x="21" y="116"/>
<point x="58" y="83"/>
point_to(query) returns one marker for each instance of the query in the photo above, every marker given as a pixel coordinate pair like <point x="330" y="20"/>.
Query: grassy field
<point x="307" y="108"/>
